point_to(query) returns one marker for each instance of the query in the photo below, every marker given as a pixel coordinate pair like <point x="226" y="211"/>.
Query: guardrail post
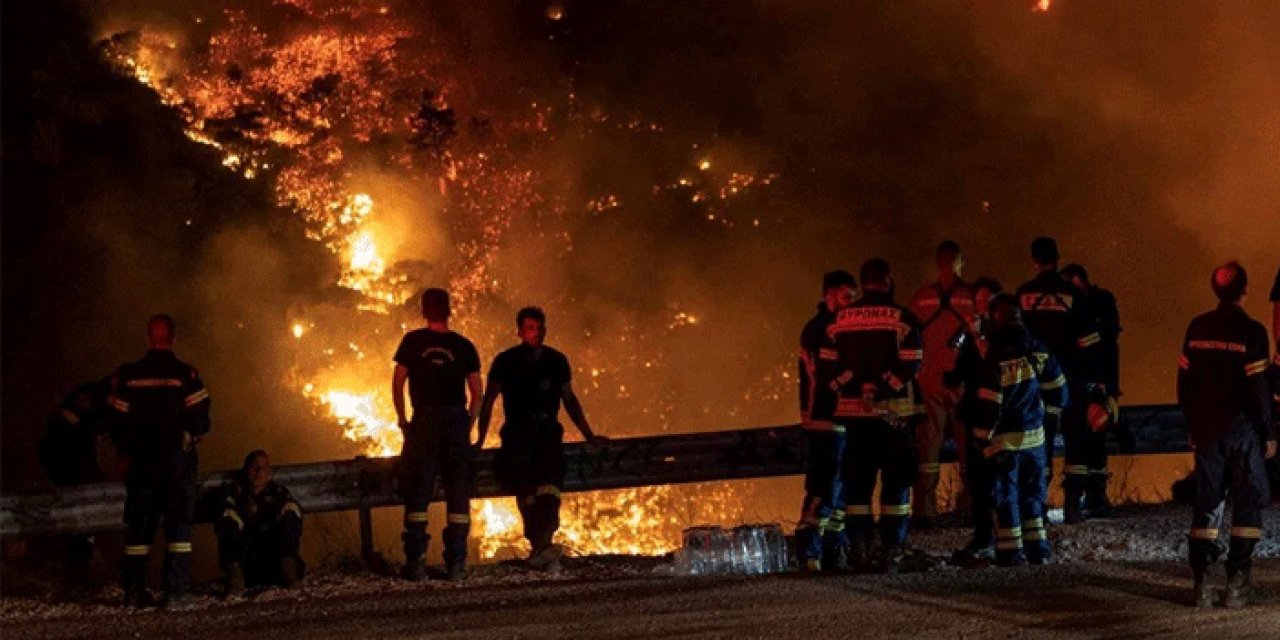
<point x="365" y="514"/>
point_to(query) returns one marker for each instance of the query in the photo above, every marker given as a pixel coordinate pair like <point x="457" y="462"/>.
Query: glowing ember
<point x="1042" y="5"/>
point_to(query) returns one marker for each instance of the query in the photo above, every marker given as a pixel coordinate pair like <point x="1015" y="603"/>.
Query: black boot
<point x="1096" y="501"/>
<point x="235" y="580"/>
<point x="859" y="555"/>
<point x="415" y="570"/>
<point x="1072" y="510"/>
<point x="1239" y="586"/>
<point x="1239" y="573"/>
<point x="1203" y="553"/>
<point x="1200" y="588"/>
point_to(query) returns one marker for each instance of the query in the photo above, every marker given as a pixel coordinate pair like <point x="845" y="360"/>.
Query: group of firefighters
<point x="156" y="410"/>
<point x="882" y="388"/>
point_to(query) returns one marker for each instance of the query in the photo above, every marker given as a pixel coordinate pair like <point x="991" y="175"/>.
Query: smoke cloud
<point x="1142" y="136"/>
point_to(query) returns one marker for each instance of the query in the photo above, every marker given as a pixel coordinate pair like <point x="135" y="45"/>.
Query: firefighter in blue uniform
<point x="820" y="538"/>
<point x="69" y="455"/>
<point x="259" y="530"/>
<point x="161" y="411"/>
<point x="879" y="353"/>
<point x="533" y="380"/>
<point x="979" y="474"/>
<point x="440" y="368"/>
<point x="1224" y="393"/>
<point x="1056" y="314"/>
<point x="1019" y="380"/>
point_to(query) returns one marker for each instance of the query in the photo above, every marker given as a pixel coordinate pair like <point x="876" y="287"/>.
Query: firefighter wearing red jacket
<point x="879" y="355"/>
<point x="945" y="309"/>
<point x="1223" y="392"/>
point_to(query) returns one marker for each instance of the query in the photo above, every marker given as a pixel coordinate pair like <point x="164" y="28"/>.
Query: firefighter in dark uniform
<point x="161" y="410"/>
<point x="1224" y="394"/>
<point x="69" y="455"/>
<point x="441" y="367"/>
<point x="820" y="539"/>
<point x="1102" y="303"/>
<point x="1019" y="380"/>
<point x="979" y="473"/>
<point x="879" y="355"/>
<point x="533" y="379"/>
<point x="1056" y="314"/>
<point x="259" y="530"/>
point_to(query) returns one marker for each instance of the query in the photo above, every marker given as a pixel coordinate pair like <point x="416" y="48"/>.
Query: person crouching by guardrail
<point x="259" y="530"/>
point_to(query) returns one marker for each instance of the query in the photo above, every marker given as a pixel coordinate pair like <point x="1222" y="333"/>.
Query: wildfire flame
<point x="298" y="106"/>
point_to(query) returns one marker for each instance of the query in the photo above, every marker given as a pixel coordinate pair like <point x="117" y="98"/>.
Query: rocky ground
<point x="1120" y="577"/>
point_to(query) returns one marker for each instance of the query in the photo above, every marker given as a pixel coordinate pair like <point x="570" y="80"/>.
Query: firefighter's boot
<point x="1072" y="510"/>
<point x="235" y="580"/>
<point x="1096" y="501"/>
<point x="1239" y="587"/>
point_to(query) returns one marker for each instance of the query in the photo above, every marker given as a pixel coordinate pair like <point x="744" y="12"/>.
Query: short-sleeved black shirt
<point x="438" y="364"/>
<point x="532" y="381"/>
<point x="1275" y="288"/>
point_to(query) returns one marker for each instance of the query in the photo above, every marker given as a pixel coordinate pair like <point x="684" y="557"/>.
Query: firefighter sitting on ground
<point x="533" y="379"/>
<point x="1019" y="379"/>
<point x="1223" y="391"/>
<point x="259" y="530"/>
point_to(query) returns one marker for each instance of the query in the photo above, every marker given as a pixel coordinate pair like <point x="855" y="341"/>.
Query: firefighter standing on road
<point x="979" y="474"/>
<point x="1102" y="304"/>
<point x="162" y="411"/>
<point x="440" y="367"/>
<point x="1223" y="392"/>
<point x="1019" y="380"/>
<point x="69" y="455"/>
<point x="533" y="379"/>
<point x="820" y="539"/>
<point x="879" y="355"/>
<point x="1055" y="313"/>
<point x="945" y="309"/>
<point x="259" y="530"/>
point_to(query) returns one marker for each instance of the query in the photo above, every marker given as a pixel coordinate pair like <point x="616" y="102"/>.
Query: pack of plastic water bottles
<point x="746" y="549"/>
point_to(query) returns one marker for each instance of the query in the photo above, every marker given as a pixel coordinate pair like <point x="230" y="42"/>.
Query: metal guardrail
<point x="366" y="483"/>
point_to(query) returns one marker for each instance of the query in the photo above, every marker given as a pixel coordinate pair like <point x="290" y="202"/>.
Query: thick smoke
<point x="1142" y="136"/>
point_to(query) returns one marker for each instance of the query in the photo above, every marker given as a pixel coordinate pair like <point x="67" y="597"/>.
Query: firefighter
<point x="441" y="368"/>
<point x="533" y="380"/>
<point x="259" y="530"/>
<point x="945" y="309"/>
<point x="69" y="455"/>
<point x="879" y="355"/>
<point x="1019" y="380"/>
<point x="1102" y="304"/>
<point x="820" y="540"/>
<point x="1224" y="394"/>
<point x="161" y="409"/>
<point x="1056" y="314"/>
<point x="979" y="474"/>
